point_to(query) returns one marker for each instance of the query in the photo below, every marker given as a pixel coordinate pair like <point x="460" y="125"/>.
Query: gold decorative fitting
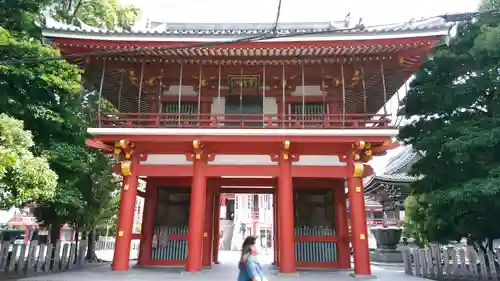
<point x="125" y="187"/>
<point x="126" y="168"/>
<point x="358" y="170"/>
<point x="198" y="156"/>
<point x="123" y="143"/>
<point x="286" y="148"/>
<point x="368" y="145"/>
<point x="128" y="155"/>
<point x="117" y="151"/>
<point x="196" y="144"/>
<point x="368" y="152"/>
<point x="286" y="145"/>
<point x="360" y="145"/>
<point x="356" y="157"/>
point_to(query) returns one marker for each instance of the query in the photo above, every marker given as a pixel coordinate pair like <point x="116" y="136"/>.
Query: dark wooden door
<point x="245" y="105"/>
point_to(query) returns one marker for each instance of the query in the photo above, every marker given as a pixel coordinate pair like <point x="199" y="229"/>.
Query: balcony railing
<point x="247" y="121"/>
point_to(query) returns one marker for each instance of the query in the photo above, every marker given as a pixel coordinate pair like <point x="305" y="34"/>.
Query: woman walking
<point x="249" y="266"/>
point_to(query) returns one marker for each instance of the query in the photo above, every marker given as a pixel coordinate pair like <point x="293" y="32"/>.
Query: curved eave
<point x="201" y="37"/>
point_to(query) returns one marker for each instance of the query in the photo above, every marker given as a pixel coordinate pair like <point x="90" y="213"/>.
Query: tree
<point x="454" y="101"/>
<point x="98" y="13"/>
<point x="22" y="17"/>
<point x="48" y="96"/>
<point x="24" y="178"/>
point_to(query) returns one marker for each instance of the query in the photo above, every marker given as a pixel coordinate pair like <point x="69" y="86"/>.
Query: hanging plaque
<point x="245" y="82"/>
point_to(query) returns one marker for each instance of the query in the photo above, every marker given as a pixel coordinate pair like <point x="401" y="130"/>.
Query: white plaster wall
<point x="240" y="159"/>
<point x="235" y="159"/>
<point x="185" y="91"/>
<point x="218" y="106"/>
<point x="270" y="105"/>
<point x="307" y="91"/>
<point x="318" y="160"/>
<point x="166" y="159"/>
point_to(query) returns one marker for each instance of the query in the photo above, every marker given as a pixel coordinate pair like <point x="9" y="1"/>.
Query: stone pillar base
<point x="387" y="256"/>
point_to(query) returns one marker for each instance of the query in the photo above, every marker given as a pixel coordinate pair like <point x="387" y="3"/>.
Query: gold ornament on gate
<point x="128" y="155"/>
<point x="197" y="148"/>
<point x="123" y="144"/>
<point x="355" y="156"/>
<point x="358" y="170"/>
<point x="196" y="144"/>
<point x="286" y="148"/>
<point x="126" y="168"/>
<point x="360" y="145"/>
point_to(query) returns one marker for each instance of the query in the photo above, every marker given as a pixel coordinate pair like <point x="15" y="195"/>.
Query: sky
<point x="372" y="12"/>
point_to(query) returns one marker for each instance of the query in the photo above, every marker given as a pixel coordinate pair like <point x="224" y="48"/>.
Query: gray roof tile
<point x="239" y="29"/>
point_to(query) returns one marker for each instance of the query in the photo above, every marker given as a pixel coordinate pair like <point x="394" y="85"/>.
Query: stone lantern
<point x="387" y="240"/>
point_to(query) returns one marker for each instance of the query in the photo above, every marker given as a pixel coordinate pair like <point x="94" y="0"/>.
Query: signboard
<point x="244" y="82"/>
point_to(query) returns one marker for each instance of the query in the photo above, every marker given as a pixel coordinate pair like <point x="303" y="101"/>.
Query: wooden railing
<point x="247" y="121"/>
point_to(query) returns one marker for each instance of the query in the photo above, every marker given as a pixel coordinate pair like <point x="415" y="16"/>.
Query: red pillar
<point x="341" y="227"/>
<point x="196" y="217"/>
<point x="216" y="245"/>
<point x="148" y="221"/>
<point x="125" y="222"/>
<point x="359" y="237"/>
<point x="209" y="224"/>
<point x="276" y="229"/>
<point x="285" y="213"/>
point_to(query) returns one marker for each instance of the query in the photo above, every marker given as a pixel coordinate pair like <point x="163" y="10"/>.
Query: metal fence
<point x="23" y="260"/>
<point x="110" y="245"/>
<point x="451" y="263"/>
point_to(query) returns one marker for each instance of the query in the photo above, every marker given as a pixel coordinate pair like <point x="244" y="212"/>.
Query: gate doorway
<point x="246" y="214"/>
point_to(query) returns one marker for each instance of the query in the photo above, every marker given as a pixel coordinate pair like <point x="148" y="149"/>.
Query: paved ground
<point x="227" y="270"/>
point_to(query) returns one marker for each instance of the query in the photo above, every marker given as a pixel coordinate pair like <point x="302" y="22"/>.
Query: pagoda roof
<point x="396" y="170"/>
<point x="220" y="32"/>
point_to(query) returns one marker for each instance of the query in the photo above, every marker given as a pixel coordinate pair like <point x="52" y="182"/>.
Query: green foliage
<point x="24" y="178"/>
<point x="43" y="95"/>
<point x="22" y="17"/>
<point x="49" y="98"/>
<point x="98" y="13"/>
<point x="455" y="103"/>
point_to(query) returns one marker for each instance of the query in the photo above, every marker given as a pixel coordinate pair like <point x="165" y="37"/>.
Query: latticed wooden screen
<point x="312" y="111"/>
<point x="187" y="111"/>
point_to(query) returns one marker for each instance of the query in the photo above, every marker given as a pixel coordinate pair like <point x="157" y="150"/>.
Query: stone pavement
<point x="227" y="270"/>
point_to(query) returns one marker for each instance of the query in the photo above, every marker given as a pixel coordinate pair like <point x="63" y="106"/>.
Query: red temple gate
<point x="190" y="120"/>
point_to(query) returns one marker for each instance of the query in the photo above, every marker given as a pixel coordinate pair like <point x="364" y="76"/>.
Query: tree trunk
<point x="91" y="255"/>
<point x="77" y="240"/>
<point x="55" y="232"/>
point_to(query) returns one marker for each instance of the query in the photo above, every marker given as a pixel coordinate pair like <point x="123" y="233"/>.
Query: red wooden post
<point x="341" y="227"/>
<point x="196" y="217"/>
<point x="148" y="221"/>
<point x="359" y="229"/>
<point x="209" y="224"/>
<point x="285" y="213"/>
<point x="125" y="222"/>
<point x="216" y="244"/>
<point x="276" y="229"/>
